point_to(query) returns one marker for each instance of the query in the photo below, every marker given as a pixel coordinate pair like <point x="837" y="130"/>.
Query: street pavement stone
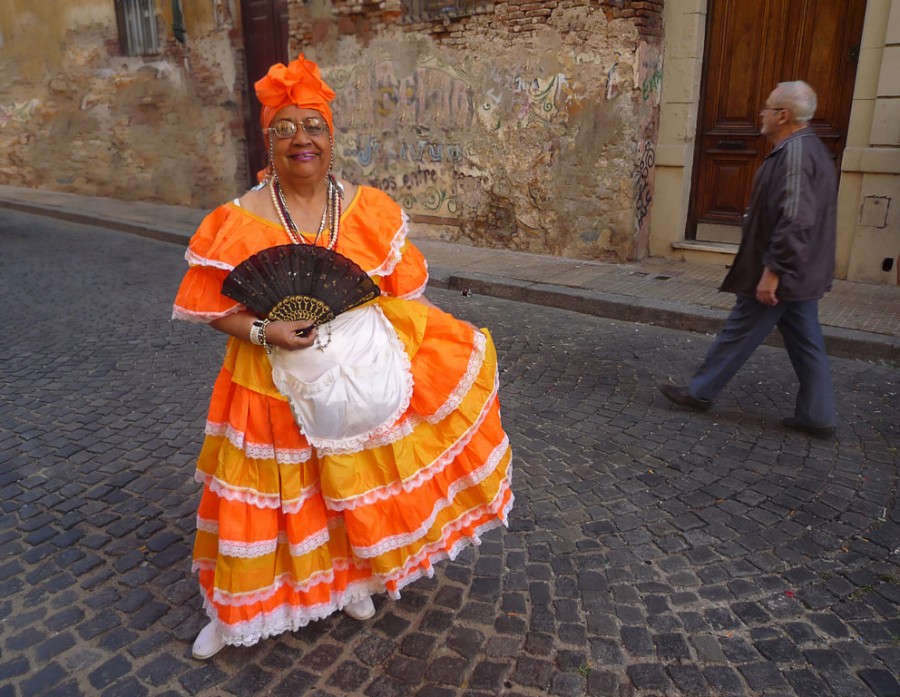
<point x="651" y="550"/>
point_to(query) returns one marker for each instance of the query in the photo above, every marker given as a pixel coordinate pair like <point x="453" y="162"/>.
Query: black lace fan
<point x="295" y="282"/>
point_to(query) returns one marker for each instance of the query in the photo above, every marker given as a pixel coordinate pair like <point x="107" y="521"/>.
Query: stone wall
<point x="76" y="115"/>
<point x="530" y="126"/>
<point x="869" y="197"/>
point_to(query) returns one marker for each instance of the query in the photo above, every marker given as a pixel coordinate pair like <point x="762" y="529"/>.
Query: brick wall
<point x="364" y="18"/>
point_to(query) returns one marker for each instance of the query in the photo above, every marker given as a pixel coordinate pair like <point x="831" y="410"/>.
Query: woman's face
<point x="301" y="155"/>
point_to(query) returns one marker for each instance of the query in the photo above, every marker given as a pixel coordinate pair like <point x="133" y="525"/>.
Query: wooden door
<point x="750" y="47"/>
<point x="265" y="25"/>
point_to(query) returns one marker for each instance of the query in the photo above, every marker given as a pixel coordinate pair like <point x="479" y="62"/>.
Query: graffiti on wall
<point x="426" y="94"/>
<point x="415" y="173"/>
<point x="643" y="182"/>
<point x="19" y="112"/>
<point x="525" y="101"/>
<point x="419" y="173"/>
<point x="366" y="148"/>
<point x="650" y="85"/>
<point x="649" y="73"/>
<point x="409" y="142"/>
<point x="541" y="99"/>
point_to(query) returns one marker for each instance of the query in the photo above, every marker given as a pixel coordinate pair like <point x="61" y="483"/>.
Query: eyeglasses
<point x="311" y="125"/>
<point x="772" y="108"/>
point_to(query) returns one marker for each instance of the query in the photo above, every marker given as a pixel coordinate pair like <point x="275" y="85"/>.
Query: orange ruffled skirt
<point x="287" y="534"/>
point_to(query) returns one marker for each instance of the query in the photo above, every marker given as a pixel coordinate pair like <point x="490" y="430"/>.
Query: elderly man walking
<point x="784" y="265"/>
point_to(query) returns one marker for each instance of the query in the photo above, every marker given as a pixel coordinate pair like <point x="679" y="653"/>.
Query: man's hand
<point x="765" y="289"/>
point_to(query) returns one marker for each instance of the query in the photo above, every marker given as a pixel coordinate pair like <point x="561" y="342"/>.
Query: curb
<point x="174" y="235"/>
<point x="839" y="342"/>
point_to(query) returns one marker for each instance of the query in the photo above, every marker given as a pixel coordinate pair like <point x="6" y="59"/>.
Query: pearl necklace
<point x="332" y="211"/>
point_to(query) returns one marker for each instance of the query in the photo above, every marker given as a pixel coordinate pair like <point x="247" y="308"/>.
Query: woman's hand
<point x="291" y="336"/>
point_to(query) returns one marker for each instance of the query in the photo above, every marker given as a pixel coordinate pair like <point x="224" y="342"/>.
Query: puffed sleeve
<point x="199" y="297"/>
<point x="375" y="237"/>
<point x="410" y="276"/>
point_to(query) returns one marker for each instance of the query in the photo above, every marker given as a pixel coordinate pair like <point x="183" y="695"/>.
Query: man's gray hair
<point x="799" y="97"/>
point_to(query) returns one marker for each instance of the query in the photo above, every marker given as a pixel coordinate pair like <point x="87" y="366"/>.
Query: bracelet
<point x="258" y="334"/>
<point x="262" y="336"/>
<point x="254" y="332"/>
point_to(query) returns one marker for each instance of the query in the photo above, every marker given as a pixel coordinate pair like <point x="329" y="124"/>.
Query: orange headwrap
<point x="298" y="83"/>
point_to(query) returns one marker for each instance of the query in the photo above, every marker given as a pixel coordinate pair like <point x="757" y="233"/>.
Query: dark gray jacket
<point x="790" y="224"/>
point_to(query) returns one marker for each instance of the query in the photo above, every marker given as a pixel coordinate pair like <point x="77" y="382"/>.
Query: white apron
<point x="354" y="389"/>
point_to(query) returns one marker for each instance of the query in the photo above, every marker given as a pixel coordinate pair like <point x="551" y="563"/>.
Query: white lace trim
<point x="183" y="313"/>
<point x="294" y="505"/>
<point x="362" y="441"/>
<point x="434" y="552"/>
<point x="425" y="474"/>
<point x="255" y="498"/>
<point x="261" y="595"/>
<point x="250" y="550"/>
<point x="288" y="506"/>
<point x="476" y="360"/>
<point x="393" y="542"/>
<point x="286" y="617"/>
<point x="258" y="451"/>
<point x="203" y="564"/>
<point x="398" y="431"/>
<point x="311" y="543"/>
<point x="386" y="268"/>
<point x="195" y="259"/>
<point x="207" y="525"/>
<point x="236" y="493"/>
<point x="221" y="597"/>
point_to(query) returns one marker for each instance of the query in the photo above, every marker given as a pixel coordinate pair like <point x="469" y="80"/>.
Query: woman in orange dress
<point x="296" y="521"/>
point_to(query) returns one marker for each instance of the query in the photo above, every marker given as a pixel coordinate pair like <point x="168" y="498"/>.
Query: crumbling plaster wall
<point x="76" y="115"/>
<point x="540" y="141"/>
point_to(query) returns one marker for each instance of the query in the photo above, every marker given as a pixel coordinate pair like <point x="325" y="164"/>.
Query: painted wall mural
<point x="19" y="112"/>
<point x="548" y="151"/>
<point x="417" y="174"/>
<point x="391" y="145"/>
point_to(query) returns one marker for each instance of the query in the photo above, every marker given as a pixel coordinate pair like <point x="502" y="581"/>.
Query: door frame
<point x="683" y="60"/>
<point x="279" y="45"/>
<point x="842" y="94"/>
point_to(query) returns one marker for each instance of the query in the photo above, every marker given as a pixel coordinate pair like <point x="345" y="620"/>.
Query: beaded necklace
<point x="331" y="213"/>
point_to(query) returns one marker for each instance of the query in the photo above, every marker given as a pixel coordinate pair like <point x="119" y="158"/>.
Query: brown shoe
<point x="679" y="395"/>
<point x="824" y="432"/>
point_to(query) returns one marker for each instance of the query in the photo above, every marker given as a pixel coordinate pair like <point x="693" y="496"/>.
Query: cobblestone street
<point x="651" y="551"/>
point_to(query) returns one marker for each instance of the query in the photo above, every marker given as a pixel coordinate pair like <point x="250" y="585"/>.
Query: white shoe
<point x="361" y="609"/>
<point x="208" y="642"/>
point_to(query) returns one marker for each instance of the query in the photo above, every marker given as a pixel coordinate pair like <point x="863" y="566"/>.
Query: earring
<point x="331" y="161"/>
<point x="270" y="165"/>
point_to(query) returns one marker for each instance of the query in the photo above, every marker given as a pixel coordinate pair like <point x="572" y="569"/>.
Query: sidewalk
<point x="859" y="320"/>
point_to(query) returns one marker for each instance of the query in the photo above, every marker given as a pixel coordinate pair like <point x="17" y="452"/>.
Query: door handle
<point x="731" y="144"/>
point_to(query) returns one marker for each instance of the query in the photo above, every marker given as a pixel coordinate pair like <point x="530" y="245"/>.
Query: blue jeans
<point x="746" y="327"/>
